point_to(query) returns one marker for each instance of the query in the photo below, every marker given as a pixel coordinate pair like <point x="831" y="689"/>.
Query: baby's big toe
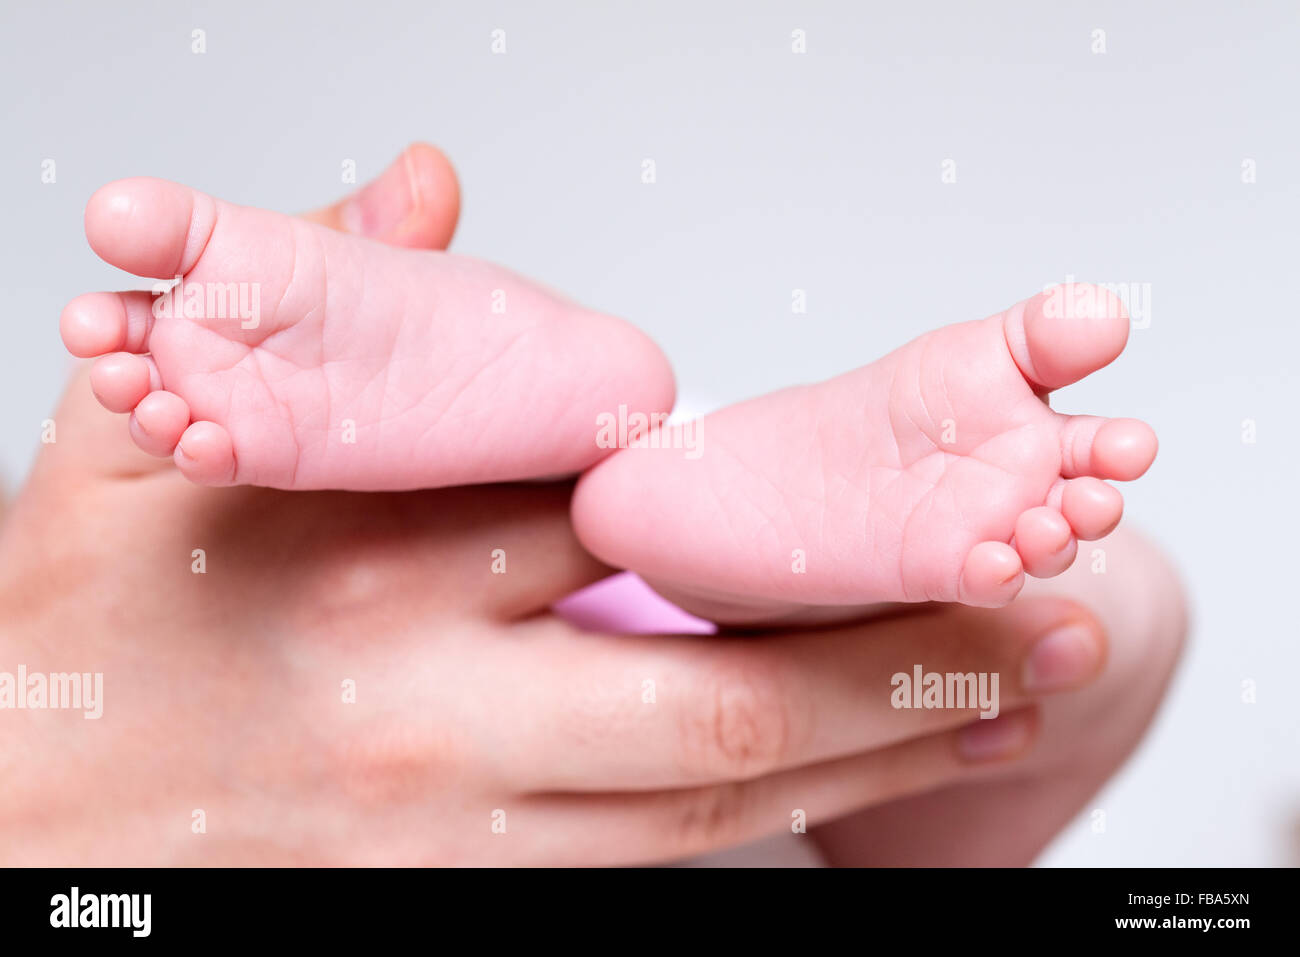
<point x="149" y="227"/>
<point x="1066" y="333"/>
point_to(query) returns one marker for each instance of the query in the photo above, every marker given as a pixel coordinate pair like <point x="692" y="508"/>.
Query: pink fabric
<point x="624" y="604"/>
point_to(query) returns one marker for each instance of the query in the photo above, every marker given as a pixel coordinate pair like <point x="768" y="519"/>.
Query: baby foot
<point x="298" y="357"/>
<point x="938" y="473"/>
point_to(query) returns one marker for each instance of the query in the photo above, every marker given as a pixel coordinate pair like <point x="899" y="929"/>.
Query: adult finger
<point x="651" y="712"/>
<point x="650" y="826"/>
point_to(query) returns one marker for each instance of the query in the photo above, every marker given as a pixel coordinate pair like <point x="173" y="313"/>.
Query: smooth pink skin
<point x="99" y="322"/>
<point x="1121" y="449"/>
<point x="1092" y="508"/>
<point x="121" y="380"/>
<point x="370" y="367"/>
<point x="905" y="480"/>
<point x="992" y="575"/>
<point x="1055" y="346"/>
<point x="158" y="421"/>
<point x="1045" y="541"/>
<point x="204" y="454"/>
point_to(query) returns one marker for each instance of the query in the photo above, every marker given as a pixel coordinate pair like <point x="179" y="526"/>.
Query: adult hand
<point x="348" y="681"/>
<point x="376" y="679"/>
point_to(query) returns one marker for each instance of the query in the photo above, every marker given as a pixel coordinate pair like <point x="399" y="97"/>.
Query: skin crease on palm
<point x="222" y="689"/>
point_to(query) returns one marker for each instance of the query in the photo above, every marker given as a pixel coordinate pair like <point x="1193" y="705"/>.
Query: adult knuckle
<point x="741" y="727"/>
<point x="390" y="763"/>
<point x="712" y="817"/>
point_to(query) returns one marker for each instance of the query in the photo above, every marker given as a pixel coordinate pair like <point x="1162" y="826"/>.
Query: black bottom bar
<point x="664" y="907"/>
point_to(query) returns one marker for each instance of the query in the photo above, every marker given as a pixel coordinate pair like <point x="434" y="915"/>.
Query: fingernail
<point x="1067" y="657"/>
<point x="1001" y="737"/>
<point x="381" y="206"/>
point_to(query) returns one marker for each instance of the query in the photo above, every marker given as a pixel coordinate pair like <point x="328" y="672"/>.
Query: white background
<point x="779" y="171"/>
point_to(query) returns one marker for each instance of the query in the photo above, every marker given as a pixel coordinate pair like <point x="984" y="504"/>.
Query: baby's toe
<point x="1066" y="333"/>
<point x="205" y="454"/>
<point x="1092" y="507"/>
<point x="1045" y="542"/>
<point x="121" y="380"/>
<point x="158" y="421"/>
<point x="1120" y="449"/>
<point x="102" y="322"/>
<point x="149" y="227"/>
<point x="992" y="575"/>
